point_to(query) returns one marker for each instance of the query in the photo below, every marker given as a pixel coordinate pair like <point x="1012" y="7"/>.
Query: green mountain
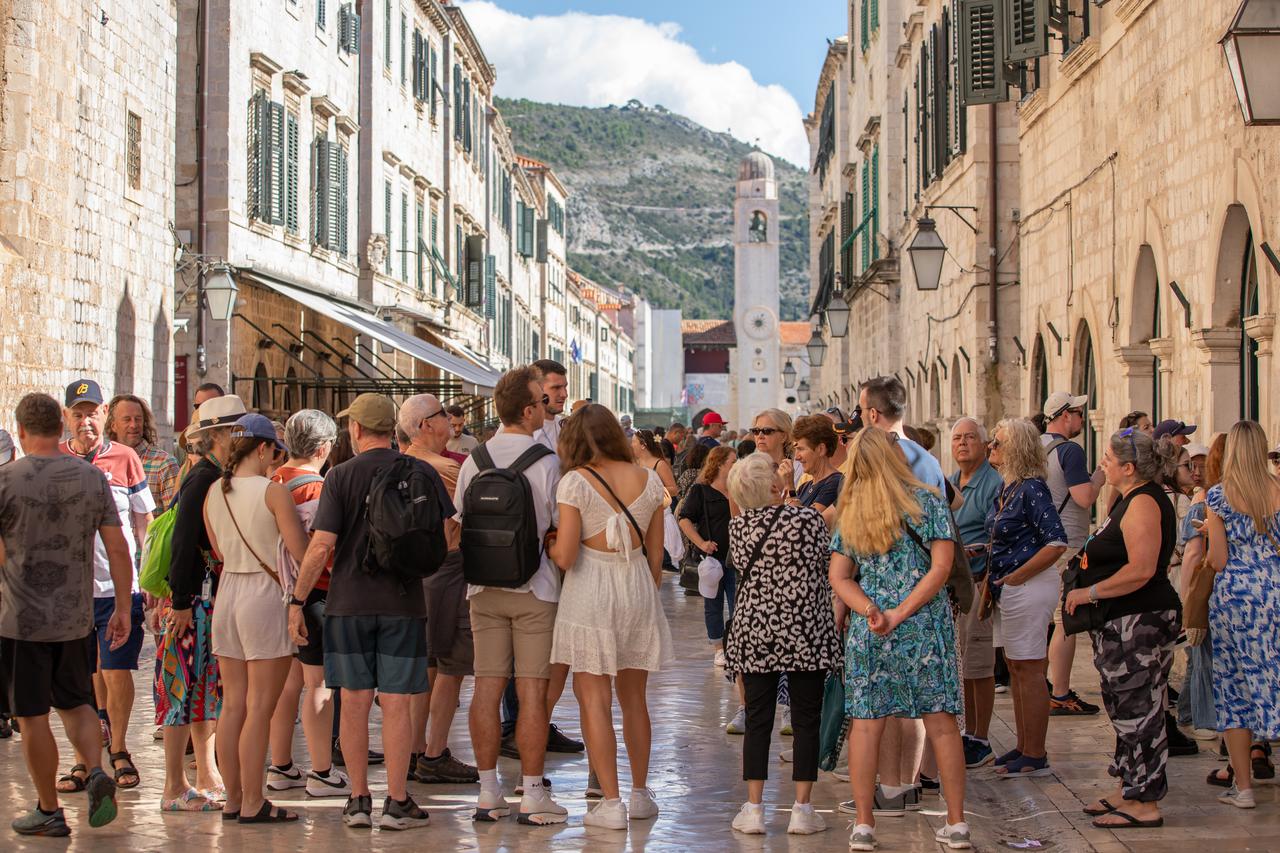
<point x="651" y="202"/>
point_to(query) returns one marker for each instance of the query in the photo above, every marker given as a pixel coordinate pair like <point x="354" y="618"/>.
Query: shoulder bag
<point x="960" y="576"/>
<point x="692" y="556"/>
<point x="1088" y="618"/>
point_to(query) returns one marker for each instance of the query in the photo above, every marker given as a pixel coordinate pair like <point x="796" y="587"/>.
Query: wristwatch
<point x="294" y="602"/>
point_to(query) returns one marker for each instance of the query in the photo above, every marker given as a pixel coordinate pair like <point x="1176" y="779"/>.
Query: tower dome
<point x="756" y="166"/>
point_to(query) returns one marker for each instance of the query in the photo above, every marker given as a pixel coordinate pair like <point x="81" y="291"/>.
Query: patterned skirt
<point x="188" y="688"/>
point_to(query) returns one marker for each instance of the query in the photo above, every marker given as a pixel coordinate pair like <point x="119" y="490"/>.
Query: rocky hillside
<point x="651" y="203"/>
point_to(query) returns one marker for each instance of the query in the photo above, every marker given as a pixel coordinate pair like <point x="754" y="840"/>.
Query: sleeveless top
<point x="1105" y="554"/>
<point x="247" y="501"/>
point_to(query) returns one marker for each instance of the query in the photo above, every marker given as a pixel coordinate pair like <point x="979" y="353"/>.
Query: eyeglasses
<point x="764" y="430"/>
<point x="993" y="444"/>
<point x="435" y="414"/>
<point x="546" y="399"/>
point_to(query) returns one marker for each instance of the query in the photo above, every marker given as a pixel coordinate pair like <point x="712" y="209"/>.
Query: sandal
<point x="1262" y="766"/>
<point x="1107" y="808"/>
<point x="71" y="783"/>
<point x="1025" y="766"/>
<point x="127" y="770"/>
<point x="270" y="814"/>
<point x="1130" y="822"/>
<point x="1214" y="779"/>
<point x="190" y="801"/>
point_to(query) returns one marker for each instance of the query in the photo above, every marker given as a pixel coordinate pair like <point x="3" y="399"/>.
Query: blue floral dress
<point x="913" y="671"/>
<point x="1243" y="612"/>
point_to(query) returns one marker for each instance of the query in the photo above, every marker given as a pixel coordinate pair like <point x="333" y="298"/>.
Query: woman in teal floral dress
<point x="891" y="556"/>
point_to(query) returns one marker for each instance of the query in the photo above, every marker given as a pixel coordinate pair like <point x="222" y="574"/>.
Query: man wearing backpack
<point x="507" y="494"/>
<point x="1073" y="491"/>
<point x="375" y="613"/>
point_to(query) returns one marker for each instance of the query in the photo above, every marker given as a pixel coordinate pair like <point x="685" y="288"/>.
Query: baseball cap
<point x="257" y="426"/>
<point x="1194" y="450"/>
<point x="84" y="391"/>
<point x="1060" y="401"/>
<point x="371" y="411"/>
<point x="7" y="450"/>
<point x="713" y="418"/>
<point x="1172" y="427"/>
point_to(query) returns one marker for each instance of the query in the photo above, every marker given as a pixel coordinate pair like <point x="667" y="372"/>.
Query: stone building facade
<point x="86" y="198"/>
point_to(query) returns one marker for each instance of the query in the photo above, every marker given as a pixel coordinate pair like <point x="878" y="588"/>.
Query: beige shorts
<point x="977" y="649"/>
<point x="1058" y="568"/>
<point x="250" y="620"/>
<point x="511" y="632"/>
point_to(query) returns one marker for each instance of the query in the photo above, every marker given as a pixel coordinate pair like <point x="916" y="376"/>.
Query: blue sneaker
<point x="977" y="753"/>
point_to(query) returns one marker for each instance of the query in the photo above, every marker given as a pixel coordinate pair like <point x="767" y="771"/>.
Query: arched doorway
<point x="1039" y="375"/>
<point x="1250" y="408"/>
<point x="261" y="396"/>
<point x="957" y="388"/>
<point x="1147" y="326"/>
<point x="1084" y="380"/>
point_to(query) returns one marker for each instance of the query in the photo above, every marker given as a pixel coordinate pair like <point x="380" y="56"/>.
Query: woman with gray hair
<point x="1125" y="564"/>
<point x="309" y="435"/>
<point x="784" y="606"/>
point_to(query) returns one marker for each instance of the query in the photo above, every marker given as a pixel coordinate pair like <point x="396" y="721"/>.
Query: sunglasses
<point x="993" y="444"/>
<point x="430" y="416"/>
<point x="1274" y="457"/>
<point x="764" y="430"/>
<point x="1128" y="432"/>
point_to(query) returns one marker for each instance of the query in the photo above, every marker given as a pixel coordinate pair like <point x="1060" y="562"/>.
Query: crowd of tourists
<point x="855" y="597"/>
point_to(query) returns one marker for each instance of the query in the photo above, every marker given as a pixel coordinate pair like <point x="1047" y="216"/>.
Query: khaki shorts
<point x="1059" y="567"/>
<point x="512" y="633"/>
<point x="977" y="649"/>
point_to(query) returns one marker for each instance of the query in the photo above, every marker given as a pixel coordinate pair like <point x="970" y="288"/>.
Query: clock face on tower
<point x="758" y="322"/>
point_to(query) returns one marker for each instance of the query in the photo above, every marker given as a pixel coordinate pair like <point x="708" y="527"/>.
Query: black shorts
<point x="38" y="676"/>
<point x="312" y="654"/>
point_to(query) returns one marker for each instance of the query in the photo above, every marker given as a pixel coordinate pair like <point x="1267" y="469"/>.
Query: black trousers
<point x="806" y="715"/>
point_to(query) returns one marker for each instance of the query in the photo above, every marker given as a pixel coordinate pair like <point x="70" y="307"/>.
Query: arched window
<point x="1249" y="408"/>
<point x="261" y="397"/>
<point x="935" y="393"/>
<point x="957" y="388"/>
<point x="1039" y="375"/>
<point x="1085" y="381"/>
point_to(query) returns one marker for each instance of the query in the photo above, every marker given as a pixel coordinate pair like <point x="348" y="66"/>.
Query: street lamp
<point x="802" y="391"/>
<point x="838" y="313"/>
<point x="817" y="348"/>
<point x="220" y="292"/>
<point x="927" y="251"/>
<point x="1252" y="48"/>
<point x="789" y="375"/>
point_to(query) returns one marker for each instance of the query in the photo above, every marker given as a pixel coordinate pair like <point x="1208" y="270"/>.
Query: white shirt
<point x="549" y="434"/>
<point x="543" y="477"/>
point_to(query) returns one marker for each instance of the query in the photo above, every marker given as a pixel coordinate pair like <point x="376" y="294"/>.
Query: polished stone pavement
<point x="696" y="777"/>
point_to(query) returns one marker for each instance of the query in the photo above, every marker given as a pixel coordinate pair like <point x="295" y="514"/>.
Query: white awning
<point x="475" y="376"/>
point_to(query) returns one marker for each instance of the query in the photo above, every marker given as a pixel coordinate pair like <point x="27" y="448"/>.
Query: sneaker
<point x="977" y="753"/>
<point x="36" y="822"/>
<point x="158" y="734"/>
<point x="558" y="741"/>
<point x="332" y="784"/>
<point x="284" y="778"/>
<point x="929" y="785"/>
<point x="642" y="806"/>
<point x="445" y="770"/>
<point x="786" y="729"/>
<point x="954" y="835"/>
<point x="804" y="820"/>
<point x="1001" y="688"/>
<point x="787" y="756"/>
<point x="546" y="783"/>
<point x="358" y="812"/>
<point x="1071" y="705"/>
<point x="491" y="806"/>
<point x="398" y="816"/>
<point x="892" y="806"/>
<point x="1179" y="743"/>
<point x="1233" y="796"/>
<point x="102" y="798"/>
<point x="847" y="807"/>
<point x="911" y="798"/>
<point x="718" y="661"/>
<point x="841" y="772"/>
<point x="750" y="819"/>
<point x="738" y="725"/>
<point x="539" y="809"/>
<point x="608" y="814"/>
<point x="862" y="837"/>
<point x="594" y="791"/>
<point x="1204" y="734"/>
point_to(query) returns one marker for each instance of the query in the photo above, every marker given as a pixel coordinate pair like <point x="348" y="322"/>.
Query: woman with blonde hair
<point x="1243" y="525"/>
<point x="891" y="555"/>
<point x="1027" y="537"/>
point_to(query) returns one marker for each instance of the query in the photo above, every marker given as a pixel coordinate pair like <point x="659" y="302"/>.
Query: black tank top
<point x="1105" y="554"/>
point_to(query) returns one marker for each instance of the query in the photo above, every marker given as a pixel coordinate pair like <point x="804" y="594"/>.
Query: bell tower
<point x="756" y="368"/>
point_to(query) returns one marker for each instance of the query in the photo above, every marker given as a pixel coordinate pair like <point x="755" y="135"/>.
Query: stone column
<point x="1137" y="367"/>
<point x="1162" y="348"/>
<point x="1261" y="328"/>
<point x="1220" y="356"/>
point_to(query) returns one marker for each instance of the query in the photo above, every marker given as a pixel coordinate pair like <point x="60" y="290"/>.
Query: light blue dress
<point x="914" y="671"/>
<point x="1243" y="613"/>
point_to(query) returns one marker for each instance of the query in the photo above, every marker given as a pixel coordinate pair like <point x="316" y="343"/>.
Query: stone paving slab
<point x="696" y="775"/>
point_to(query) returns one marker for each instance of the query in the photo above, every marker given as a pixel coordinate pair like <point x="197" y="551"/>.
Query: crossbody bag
<point x="746" y="570"/>
<point x="631" y="518"/>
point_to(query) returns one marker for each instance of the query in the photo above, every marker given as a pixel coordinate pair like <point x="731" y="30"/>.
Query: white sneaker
<point x="539" y="809"/>
<point x="862" y="837"/>
<point x="738" y="725"/>
<point x="787" y="756"/>
<point x="643" y="806"/>
<point x="491" y="806"/>
<point x="750" y="819"/>
<point x="609" y="814"/>
<point x="1204" y="734"/>
<point x="841" y="772"/>
<point x="333" y="784"/>
<point x="1233" y="796"/>
<point x="805" y="821"/>
<point x="283" y="780"/>
<point x="719" y="659"/>
<point x="786" y="722"/>
<point x="954" y="835"/>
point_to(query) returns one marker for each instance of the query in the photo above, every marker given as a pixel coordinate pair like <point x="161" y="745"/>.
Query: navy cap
<point x="257" y="426"/>
<point x="84" y="391"/>
<point x="1172" y="427"/>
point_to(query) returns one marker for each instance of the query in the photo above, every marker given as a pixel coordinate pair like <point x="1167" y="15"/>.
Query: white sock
<point x="980" y="740"/>
<point x="802" y="807"/>
<point x="755" y="807"/>
<point x="489" y="780"/>
<point x="532" y="782"/>
<point x="891" y="791"/>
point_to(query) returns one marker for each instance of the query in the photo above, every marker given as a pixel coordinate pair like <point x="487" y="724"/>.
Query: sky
<point x="745" y="66"/>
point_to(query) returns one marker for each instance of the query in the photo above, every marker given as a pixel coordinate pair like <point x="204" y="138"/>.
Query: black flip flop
<point x="226" y="815"/>
<point x="1214" y="779"/>
<point x="270" y="814"/>
<point x="127" y="770"/>
<point x="1131" y="822"/>
<point x="80" y="782"/>
<point x="1107" y="808"/>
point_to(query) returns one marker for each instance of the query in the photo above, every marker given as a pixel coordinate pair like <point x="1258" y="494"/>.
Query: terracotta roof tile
<point x="708" y="333"/>
<point x="794" y="333"/>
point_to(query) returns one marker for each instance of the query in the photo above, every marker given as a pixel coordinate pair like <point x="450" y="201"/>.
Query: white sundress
<point x="610" y="617"/>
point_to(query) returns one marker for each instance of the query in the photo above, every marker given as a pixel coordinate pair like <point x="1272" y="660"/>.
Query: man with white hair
<point x="449" y="645"/>
<point x="979" y="484"/>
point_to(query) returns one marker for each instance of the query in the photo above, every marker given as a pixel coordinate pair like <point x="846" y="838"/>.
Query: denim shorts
<point x="387" y="653"/>
<point x="125" y="657"/>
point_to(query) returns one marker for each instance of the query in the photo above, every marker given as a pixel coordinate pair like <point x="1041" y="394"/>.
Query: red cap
<point x="712" y="418"/>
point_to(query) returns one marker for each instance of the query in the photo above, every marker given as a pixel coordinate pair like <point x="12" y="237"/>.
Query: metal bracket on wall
<point x="1186" y="305"/>
<point x="968" y="366"/>
<point x="1057" y="337"/>
<point x="1271" y="256"/>
<point x="1022" y="352"/>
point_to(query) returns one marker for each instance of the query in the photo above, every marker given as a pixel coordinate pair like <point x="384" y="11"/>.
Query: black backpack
<point x="406" y="527"/>
<point x="500" y="542"/>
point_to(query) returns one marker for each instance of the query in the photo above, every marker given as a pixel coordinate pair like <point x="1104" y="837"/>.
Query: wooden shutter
<point x="941" y="107"/>
<point x="342" y="207"/>
<point x="982" y="55"/>
<point x="541" y="247"/>
<point x="435" y="244"/>
<point x="404" y="237"/>
<point x="417" y="65"/>
<point x="864" y="25"/>
<point x="491" y="289"/>
<point x="873" y="229"/>
<point x="466" y="110"/>
<point x="255" y="194"/>
<point x="404" y="37"/>
<point x="276" y="165"/>
<point x="431" y="84"/>
<point x="922" y="119"/>
<point x="337" y="202"/>
<point x="386" y="219"/>
<point x="1026" y="30"/>
<point x="320" y="191"/>
<point x="386" y="34"/>
<point x="320" y="15"/>
<point x="417" y="247"/>
<point x="354" y="47"/>
<point x="459" y="267"/>
<point x="866" y="209"/>
<point x="875" y="15"/>
<point x="457" y="102"/>
<point x="846" y="228"/>
<point x="291" y="174"/>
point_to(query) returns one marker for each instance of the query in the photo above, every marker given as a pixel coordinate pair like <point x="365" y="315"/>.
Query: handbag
<point x="833" y="726"/>
<point x="1086" y="618"/>
<point x="691" y="557"/>
<point x="1195" y="610"/>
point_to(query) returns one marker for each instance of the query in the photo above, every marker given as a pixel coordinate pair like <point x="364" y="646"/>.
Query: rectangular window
<point x="386" y="35"/>
<point x="386" y="218"/>
<point x="266" y="162"/>
<point x="460" y="266"/>
<point x="431" y="84"/>
<point x="133" y="150"/>
<point x="348" y="29"/>
<point x="320" y="15"/>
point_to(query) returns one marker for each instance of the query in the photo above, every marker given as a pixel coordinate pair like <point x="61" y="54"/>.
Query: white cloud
<point x="597" y="60"/>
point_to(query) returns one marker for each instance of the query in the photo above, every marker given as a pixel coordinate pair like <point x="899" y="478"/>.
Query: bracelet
<point x="871" y="605"/>
<point x="1093" y="594"/>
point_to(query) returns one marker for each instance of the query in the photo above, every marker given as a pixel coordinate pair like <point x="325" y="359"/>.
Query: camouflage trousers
<point x="1133" y="655"/>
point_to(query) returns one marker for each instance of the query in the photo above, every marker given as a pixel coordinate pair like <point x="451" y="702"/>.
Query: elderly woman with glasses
<point x="1125" y="564"/>
<point x="771" y="430"/>
<point x="1026" y="539"/>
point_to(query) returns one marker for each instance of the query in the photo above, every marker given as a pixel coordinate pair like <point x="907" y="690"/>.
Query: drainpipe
<point x="446" y="203"/>
<point x="993" y="312"/>
<point x="202" y="23"/>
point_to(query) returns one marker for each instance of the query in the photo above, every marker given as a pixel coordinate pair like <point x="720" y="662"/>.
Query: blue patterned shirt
<point x="1021" y="522"/>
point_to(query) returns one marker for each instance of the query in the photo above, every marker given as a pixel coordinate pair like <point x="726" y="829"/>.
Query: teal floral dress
<point x="913" y="671"/>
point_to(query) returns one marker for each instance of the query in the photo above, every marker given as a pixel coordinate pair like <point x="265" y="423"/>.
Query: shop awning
<point x="475" y="377"/>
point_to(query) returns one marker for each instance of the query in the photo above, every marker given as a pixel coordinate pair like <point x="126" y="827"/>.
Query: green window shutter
<point x="982" y="54"/>
<point x="337" y="203"/>
<point x="291" y="174"/>
<point x="386" y="34"/>
<point x="875" y="16"/>
<point x="254" y="189"/>
<point x="922" y="119"/>
<point x="959" y="120"/>
<point x="417" y="65"/>
<point x="491" y="289"/>
<point x="431" y="84"/>
<point x="320" y="15"/>
<point x="276" y="164"/>
<point x="435" y="250"/>
<point x="320" y="191"/>
<point x="846" y="228"/>
<point x="866" y="209"/>
<point x="466" y="114"/>
<point x="864" y="24"/>
<point x="386" y="219"/>
<point x="873" y="229"/>
<point x="520" y="248"/>
<point x="417" y="247"/>
<point x="404" y="237"/>
<point x="941" y="108"/>
<point x="460" y="262"/>
<point x="355" y="33"/>
<point x="342" y="206"/>
<point x="457" y="103"/>
<point x="1026" y="30"/>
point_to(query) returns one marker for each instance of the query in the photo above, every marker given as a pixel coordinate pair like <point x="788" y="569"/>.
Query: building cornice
<point x="261" y="62"/>
<point x="294" y="82"/>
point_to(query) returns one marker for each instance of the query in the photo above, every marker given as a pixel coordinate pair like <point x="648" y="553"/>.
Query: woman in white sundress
<point x="610" y="628"/>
